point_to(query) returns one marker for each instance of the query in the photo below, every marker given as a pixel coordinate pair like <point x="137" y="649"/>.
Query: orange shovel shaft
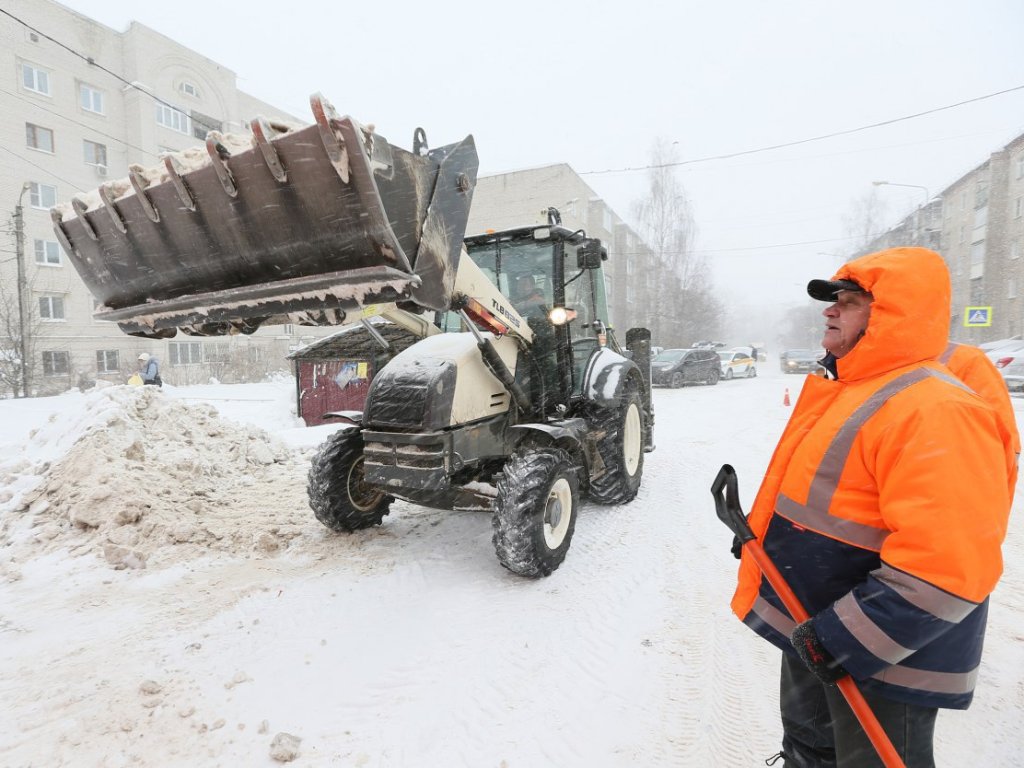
<point x="873" y="729"/>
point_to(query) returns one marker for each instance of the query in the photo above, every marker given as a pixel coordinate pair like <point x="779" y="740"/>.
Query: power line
<point x="41" y="168"/>
<point x="92" y="62"/>
<point x="77" y="122"/>
<point x="808" y="140"/>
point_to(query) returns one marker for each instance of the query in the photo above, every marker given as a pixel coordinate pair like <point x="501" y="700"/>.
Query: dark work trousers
<point x="821" y="731"/>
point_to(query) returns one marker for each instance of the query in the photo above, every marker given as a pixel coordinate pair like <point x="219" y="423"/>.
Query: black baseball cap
<point x="826" y="290"/>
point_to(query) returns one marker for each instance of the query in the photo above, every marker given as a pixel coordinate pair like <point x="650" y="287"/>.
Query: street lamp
<point x="19" y="248"/>
<point x="927" y="195"/>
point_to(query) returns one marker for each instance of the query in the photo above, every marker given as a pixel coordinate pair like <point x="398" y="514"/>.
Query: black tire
<point x="532" y="528"/>
<point x="753" y="372"/>
<point x="677" y="380"/>
<point x="621" y="449"/>
<point x="713" y="375"/>
<point x="338" y="495"/>
<point x="728" y="375"/>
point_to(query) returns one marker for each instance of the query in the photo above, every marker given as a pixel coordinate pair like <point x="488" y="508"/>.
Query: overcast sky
<point x="593" y="83"/>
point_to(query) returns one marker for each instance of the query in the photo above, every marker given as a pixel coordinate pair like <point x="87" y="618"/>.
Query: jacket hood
<point x="909" y="320"/>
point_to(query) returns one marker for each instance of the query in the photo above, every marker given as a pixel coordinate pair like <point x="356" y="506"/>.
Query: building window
<point x="1011" y="288"/>
<point x="47" y="253"/>
<point x="172" y="118"/>
<point x="34" y="79"/>
<point x="91" y="99"/>
<point x="977" y="292"/>
<point x="51" y="308"/>
<point x="189" y="89"/>
<point x="95" y="154"/>
<point x="56" y="363"/>
<point x="608" y="224"/>
<point x="217" y="352"/>
<point x="108" y="361"/>
<point x="186" y="352"/>
<point x="1020" y="168"/>
<point x="629" y="266"/>
<point x="42" y="196"/>
<point x="961" y="234"/>
<point x="980" y="216"/>
<point x="963" y="202"/>
<point x="288" y="329"/>
<point x="37" y="137"/>
<point x="1015" y="245"/>
<point x="1018" y="207"/>
<point x="981" y="194"/>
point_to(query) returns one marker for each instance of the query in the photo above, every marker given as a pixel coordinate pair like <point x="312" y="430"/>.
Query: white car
<point x="1009" y="360"/>
<point x="736" y="363"/>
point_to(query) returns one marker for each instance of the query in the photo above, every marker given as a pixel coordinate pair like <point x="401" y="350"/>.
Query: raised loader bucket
<point x="305" y="226"/>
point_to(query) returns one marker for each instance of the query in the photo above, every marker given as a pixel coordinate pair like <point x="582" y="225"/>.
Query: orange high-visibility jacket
<point x="974" y="368"/>
<point x="886" y="501"/>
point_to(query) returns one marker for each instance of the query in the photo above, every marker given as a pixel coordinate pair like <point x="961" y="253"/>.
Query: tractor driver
<point x="529" y="299"/>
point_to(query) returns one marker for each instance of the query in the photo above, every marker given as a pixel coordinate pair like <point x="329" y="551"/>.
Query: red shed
<point x="334" y="373"/>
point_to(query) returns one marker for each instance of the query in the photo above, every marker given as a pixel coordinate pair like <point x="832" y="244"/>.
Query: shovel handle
<point x="727" y="507"/>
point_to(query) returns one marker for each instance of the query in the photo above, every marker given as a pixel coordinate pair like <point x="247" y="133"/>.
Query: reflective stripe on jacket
<point x="886" y="501"/>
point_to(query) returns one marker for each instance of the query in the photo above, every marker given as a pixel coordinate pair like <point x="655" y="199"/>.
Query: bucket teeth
<point x="219" y="155"/>
<point x="109" y="205"/>
<point x="139" y="185"/>
<point x="179" y="183"/>
<point x="80" y="208"/>
<point x="261" y="131"/>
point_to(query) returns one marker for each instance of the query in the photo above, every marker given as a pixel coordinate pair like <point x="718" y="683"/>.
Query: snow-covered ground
<point x="406" y="646"/>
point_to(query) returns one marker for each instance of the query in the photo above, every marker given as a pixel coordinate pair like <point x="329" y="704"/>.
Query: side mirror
<point x="591" y="254"/>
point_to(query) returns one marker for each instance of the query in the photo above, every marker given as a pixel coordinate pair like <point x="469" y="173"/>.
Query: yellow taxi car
<point x="737" y="363"/>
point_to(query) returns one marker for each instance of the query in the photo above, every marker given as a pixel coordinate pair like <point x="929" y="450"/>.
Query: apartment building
<point x="70" y="120"/>
<point x="977" y="224"/>
<point x="982" y="242"/>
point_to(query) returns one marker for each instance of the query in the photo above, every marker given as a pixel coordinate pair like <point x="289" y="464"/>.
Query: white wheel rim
<point x="631" y="440"/>
<point x="355" y="477"/>
<point x="558" y="504"/>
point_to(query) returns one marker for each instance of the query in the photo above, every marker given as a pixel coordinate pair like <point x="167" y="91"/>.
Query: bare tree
<point x="12" y="374"/>
<point x="675" y="295"/>
<point x="865" y="221"/>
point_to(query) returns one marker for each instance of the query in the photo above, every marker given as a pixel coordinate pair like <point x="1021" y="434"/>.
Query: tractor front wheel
<point x="535" y="511"/>
<point x="338" y="493"/>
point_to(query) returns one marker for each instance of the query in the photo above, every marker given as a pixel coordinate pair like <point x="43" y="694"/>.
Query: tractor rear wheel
<point x="338" y="493"/>
<point x="621" y="449"/>
<point x="535" y="511"/>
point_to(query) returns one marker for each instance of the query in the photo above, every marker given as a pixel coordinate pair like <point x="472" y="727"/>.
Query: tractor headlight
<point x="561" y="315"/>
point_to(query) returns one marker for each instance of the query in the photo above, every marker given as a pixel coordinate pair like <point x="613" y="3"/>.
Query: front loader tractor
<point x="517" y="399"/>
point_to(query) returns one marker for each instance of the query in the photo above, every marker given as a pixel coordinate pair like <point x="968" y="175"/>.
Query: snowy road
<point x="410" y="647"/>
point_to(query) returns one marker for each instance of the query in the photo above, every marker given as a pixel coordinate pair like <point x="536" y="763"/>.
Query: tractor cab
<point x="553" y="278"/>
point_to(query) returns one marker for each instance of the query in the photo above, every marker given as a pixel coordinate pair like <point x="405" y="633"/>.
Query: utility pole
<point x="19" y="247"/>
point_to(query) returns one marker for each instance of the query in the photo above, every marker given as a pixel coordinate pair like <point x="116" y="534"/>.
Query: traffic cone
<point x="785" y="400"/>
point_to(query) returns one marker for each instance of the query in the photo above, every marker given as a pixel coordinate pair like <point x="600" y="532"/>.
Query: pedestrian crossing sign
<point x="977" y="317"/>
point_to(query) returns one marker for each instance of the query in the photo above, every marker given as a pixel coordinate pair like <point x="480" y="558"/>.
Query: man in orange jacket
<point x="885" y="505"/>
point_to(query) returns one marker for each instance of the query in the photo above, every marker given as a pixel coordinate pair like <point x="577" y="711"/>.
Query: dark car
<point x="676" y="367"/>
<point x="802" y="361"/>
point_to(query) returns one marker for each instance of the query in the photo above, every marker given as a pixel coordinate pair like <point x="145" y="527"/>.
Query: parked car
<point x="1009" y="361"/>
<point x="802" y="361"/>
<point x="737" y="362"/>
<point x="676" y="367"/>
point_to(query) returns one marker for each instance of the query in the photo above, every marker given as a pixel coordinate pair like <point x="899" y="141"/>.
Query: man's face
<point x="846" y="321"/>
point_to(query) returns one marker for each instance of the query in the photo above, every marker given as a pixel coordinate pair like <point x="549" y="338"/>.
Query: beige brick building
<point x="66" y="126"/>
<point x="73" y="119"/>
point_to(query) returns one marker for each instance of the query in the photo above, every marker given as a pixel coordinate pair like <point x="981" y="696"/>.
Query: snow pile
<point x="140" y="478"/>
